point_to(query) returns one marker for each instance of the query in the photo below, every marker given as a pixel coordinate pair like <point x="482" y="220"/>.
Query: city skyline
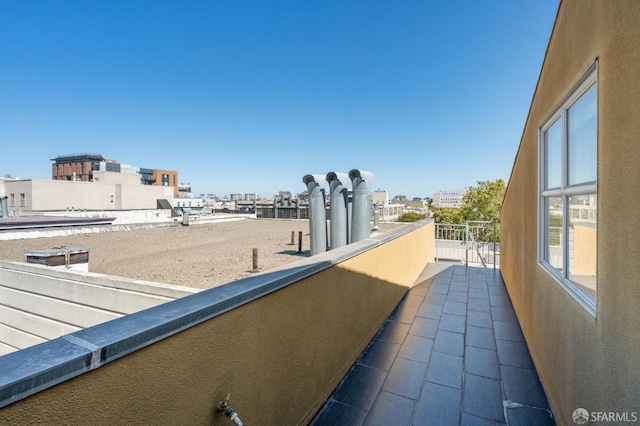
<point x="251" y="97"/>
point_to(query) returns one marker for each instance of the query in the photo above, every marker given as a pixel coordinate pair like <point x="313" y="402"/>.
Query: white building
<point x="451" y="199"/>
<point x="380" y="198"/>
<point x="48" y="195"/>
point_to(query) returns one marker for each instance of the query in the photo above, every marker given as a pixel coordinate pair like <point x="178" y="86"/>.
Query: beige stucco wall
<point x="279" y="356"/>
<point x="116" y="178"/>
<point x="584" y="361"/>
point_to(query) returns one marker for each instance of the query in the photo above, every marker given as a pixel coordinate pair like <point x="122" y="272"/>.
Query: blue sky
<point x="249" y="96"/>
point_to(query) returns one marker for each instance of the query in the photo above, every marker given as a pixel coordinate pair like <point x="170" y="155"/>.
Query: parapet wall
<point x="278" y="342"/>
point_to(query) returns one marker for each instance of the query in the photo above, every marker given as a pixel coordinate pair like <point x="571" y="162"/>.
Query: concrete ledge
<point x="31" y="370"/>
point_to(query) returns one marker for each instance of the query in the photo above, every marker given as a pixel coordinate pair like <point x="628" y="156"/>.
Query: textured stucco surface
<point x="279" y="356"/>
<point x="584" y="361"/>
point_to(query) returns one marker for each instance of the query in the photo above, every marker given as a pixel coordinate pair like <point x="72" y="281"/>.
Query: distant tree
<point x="483" y="201"/>
<point x="411" y="217"/>
<point x="446" y="215"/>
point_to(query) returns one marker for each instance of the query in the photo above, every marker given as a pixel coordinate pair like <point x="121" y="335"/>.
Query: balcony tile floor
<point x="451" y="353"/>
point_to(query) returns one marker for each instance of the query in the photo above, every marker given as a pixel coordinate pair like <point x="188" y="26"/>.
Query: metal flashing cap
<point x="320" y="180"/>
<point x="361" y="174"/>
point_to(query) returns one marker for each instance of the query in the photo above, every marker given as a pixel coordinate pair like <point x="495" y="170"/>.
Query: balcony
<point x="358" y="335"/>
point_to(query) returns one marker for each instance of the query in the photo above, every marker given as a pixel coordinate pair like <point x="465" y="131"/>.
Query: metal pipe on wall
<point x="5" y="208"/>
<point x="317" y="213"/>
<point x="361" y="184"/>
<point x="338" y="215"/>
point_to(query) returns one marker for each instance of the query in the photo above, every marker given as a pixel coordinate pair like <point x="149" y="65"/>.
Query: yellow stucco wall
<point x="584" y="361"/>
<point x="584" y="252"/>
<point x="279" y="356"/>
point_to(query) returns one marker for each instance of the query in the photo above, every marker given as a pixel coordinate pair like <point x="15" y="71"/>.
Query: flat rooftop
<point x="199" y="255"/>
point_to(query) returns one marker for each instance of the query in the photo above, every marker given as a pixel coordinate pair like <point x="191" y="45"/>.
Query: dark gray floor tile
<point x="452" y="322"/>
<point x="390" y="409"/>
<point x="480" y="337"/>
<point x="497" y="290"/>
<point x="405" y="378"/>
<point x="478" y="305"/>
<point x="445" y="369"/>
<point x="458" y="286"/>
<point x="457" y="308"/>
<point x="469" y="420"/>
<point x="416" y="348"/>
<point x="457" y="296"/>
<point x="479" y="293"/>
<point x="411" y="300"/>
<point x="393" y="331"/>
<point x="380" y="354"/>
<point x="478" y="284"/>
<point x="435" y="298"/>
<point x="522" y="385"/>
<point x="515" y="354"/>
<point x="449" y="342"/>
<point x="336" y="413"/>
<point x="503" y="301"/>
<point x="427" y="310"/>
<point x="482" y="397"/>
<point x="479" y="319"/>
<point x="481" y="362"/>
<point x="404" y="314"/>
<point x="459" y="279"/>
<point x="420" y="289"/>
<point x="442" y="279"/>
<point x="529" y="416"/>
<point x="361" y="387"/>
<point x="508" y="331"/>
<point x="425" y="327"/>
<point x="503" y="314"/>
<point x="439" y="288"/>
<point x="438" y="405"/>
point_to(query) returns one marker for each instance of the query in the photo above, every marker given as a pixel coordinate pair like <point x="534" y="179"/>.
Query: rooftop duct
<point x="338" y="215"/>
<point x="317" y="213"/>
<point x="361" y="184"/>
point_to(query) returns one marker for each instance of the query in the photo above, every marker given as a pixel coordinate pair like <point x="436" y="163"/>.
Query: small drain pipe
<point x="317" y="213"/>
<point x="361" y="220"/>
<point x="229" y="412"/>
<point x="338" y="215"/>
<point x="233" y="416"/>
<point x="5" y="209"/>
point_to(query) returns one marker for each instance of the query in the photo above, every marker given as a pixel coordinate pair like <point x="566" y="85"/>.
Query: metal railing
<point x="471" y="242"/>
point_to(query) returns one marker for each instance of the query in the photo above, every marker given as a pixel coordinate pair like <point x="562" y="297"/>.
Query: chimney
<point x="338" y="214"/>
<point x="317" y="213"/>
<point x="361" y="184"/>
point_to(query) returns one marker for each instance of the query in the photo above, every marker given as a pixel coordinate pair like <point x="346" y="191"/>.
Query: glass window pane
<point x="583" y="133"/>
<point x="582" y="241"/>
<point x="553" y="155"/>
<point x="554" y="252"/>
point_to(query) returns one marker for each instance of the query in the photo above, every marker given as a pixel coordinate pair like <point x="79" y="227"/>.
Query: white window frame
<point x="12" y="199"/>
<point x="23" y="199"/>
<point x="587" y="80"/>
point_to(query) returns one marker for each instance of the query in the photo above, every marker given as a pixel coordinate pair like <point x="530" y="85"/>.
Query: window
<point x="12" y="200"/>
<point x="568" y="142"/>
<point x="23" y="199"/>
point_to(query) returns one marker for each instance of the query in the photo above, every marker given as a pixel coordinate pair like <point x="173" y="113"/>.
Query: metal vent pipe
<point x="5" y="209"/>
<point x="361" y="184"/>
<point x="338" y="216"/>
<point x="317" y="213"/>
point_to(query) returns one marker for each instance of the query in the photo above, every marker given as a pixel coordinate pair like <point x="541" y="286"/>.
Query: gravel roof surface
<point x="199" y="255"/>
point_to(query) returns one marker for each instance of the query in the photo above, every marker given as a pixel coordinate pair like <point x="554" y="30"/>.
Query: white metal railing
<point x="471" y="242"/>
